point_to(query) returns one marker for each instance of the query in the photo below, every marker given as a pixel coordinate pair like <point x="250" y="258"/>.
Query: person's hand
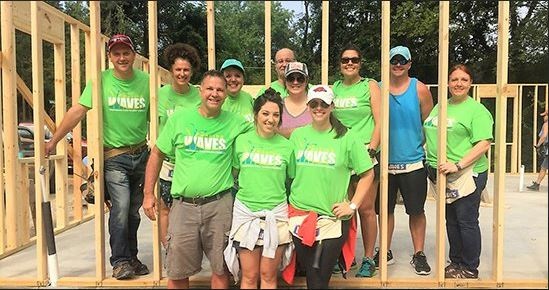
<point x="149" y="206"/>
<point x="342" y="209"/>
<point x="49" y="148"/>
<point x="539" y="150"/>
<point x="448" y="168"/>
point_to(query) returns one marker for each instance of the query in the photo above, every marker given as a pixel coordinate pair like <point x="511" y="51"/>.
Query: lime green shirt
<point x="467" y="123"/>
<point x="280" y="88"/>
<point x="203" y="150"/>
<point x="354" y="109"/>
<point x="264" y="165"/>
<point x="323" y="168"/>
<point x="241" y="104"/>
<point x="170" y="101"/>
<point x="125" y="108"/>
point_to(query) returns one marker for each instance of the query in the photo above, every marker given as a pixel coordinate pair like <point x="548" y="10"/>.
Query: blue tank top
<point x="405" y="127"/>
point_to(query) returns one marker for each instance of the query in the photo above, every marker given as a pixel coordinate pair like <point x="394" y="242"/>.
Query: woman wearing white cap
<point x="237" y="101"/>
<point x="182" y="60"/>
<point x="294" y="113"/>
<point x="320" y="212"/>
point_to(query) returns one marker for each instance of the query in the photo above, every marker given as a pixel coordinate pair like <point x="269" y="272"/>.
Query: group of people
<point x="280" y="181"/>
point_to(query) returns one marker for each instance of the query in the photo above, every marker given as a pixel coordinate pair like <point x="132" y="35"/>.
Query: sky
<point x="296" y="6"/>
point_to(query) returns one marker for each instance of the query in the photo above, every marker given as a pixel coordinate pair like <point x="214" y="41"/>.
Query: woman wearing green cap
<point x="237" y="101"/>
<point x="182" y="60"/>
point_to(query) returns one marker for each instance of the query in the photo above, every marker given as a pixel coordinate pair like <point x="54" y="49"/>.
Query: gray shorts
<point x="194" y="230"/>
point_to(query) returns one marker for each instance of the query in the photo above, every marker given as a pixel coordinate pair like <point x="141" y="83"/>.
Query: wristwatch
<point x="458" y="166"/>
<point x="372" y="152"/>
<point x="352" y="206"/>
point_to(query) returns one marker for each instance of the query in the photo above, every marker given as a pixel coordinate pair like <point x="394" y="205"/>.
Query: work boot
<point x="534" y="186"/>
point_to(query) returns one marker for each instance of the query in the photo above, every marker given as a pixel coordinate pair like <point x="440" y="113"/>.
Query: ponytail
<point x="337" y="126"/>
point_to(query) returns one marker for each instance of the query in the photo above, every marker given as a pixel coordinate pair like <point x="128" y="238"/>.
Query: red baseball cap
<point x="120" y="39"/>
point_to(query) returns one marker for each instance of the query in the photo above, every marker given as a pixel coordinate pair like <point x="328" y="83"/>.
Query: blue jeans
<point x="124" y="177"/>
<point x="463" y="228"/>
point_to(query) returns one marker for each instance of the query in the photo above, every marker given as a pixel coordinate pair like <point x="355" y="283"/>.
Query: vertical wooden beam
<point x="535" y="133"/>
<point x="2" y="205"/>
<point x="96" y="141"/>
<point x="519" y="121"/>
<point x="210" y="17"/>
<point x="39" y="152"/>
<point x="77" y="130"/>
<point x="153" y="71"/>
<point x="500" y="147"/>
<point x="325" y="42"/>
<point x="9" y="100"/>
<point x="515" y="137"/>
<point x="443" y="38"/>
<point x="268" y="56"/>
<point x="61" y="178"/>
<point x="384" y="162"/>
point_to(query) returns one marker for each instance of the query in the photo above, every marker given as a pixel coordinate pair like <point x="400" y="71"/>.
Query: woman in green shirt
<point x="320" y="211"/>
<point x="469" y="135"/>
<point x="182" y="60"/>
<point x="237" y="101"/>
<point x="259" y="231"/>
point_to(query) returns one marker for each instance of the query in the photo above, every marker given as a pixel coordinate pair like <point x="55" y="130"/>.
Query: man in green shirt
<point x="202" y="142"/>
<point x="282" y="58"/>
<point x="125" y="105"/>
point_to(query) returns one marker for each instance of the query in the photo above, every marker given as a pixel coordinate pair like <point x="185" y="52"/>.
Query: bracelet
<point x="458" y="166"/>
<point x="372" y="152"/>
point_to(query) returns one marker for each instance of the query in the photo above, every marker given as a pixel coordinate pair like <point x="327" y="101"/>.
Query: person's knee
<point x="250" y="277"/>
<point x="268" y="276"/>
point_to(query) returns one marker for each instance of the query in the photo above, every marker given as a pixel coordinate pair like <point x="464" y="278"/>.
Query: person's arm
<point x="151" y="176"/>
<point x="375" y="102"/>
<point x="73" y="116"/>
<point x="473" y="155"/>
<point x="543" y="135"/>
<point x="343" y="209"/>
<point x="425" y="100"/>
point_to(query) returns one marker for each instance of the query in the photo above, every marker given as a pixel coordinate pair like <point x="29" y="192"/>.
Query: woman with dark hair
<point x="183" y="61"/>
<point x="259" y="231"/>
<point x="320" y="211"/>
<point x="357" y="104"/>
<point x="469" y="135"/>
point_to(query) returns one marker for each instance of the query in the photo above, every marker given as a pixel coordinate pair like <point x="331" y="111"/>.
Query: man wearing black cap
<point x="125" y="104"/>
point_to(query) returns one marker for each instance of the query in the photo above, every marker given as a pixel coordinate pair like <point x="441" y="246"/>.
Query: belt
<point x="203" y="200"/>
<point x="131" y="149"/>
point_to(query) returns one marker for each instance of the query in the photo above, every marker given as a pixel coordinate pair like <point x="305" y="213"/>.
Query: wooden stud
<point x="268" y="56"/>
<point x="77" y="130"/>
<point x="443" y="39"/>
<point x="2" y="201"/>
<point x="325" y="42"/>
<point x="210" y="18"/>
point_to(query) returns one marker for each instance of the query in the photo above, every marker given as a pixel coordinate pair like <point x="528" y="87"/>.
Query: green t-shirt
<point x="170" y="101"/>
<point x="125" y="108"/>
<point x="468" y="123"/>
<point x="277" y="86"/>
<point x="264" y="165"/>
<point x="323" y="168"/>
<point x="203" y="150"/>
<point x="354" y="109"/>
<point x="241" y="104"/>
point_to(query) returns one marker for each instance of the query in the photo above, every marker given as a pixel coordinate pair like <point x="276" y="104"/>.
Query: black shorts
<point x="413" y="188"/>
<point x="355" y="177"/>
<point x="165" y="192"/>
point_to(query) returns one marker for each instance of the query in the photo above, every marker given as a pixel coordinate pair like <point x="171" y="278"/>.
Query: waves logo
<point x="260" y="159"/>
<point x="205" y="144"/>
<point x="126" y="103"/>
<point x="316" y="157"/>
<point x="346" y="103"/>
<point x="433" y="122"/>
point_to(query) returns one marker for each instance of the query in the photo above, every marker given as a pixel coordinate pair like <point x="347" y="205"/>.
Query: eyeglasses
<point x="315" y="103"/>
<point x="400" y="61"/>
<point x="345" y="60"/>
<point x="296" y="77"/>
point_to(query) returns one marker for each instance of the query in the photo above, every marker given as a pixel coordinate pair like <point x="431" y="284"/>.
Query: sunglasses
<point x="296" y="77"/>
<point x="400" y="61"/>
<point x="345" y="60"/>
<point x="315" y="103"/>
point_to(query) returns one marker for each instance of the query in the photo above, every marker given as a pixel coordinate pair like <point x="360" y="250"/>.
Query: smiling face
<point x="282" y="58"/>
<point x="400" y="66"/>
<point x="181" y="72"/>
<point x="212" y="92"/>
<point x="122" y="58"/>
<point x="267" y="119"/>
<point x="296" y="83"/>
<point x="320" y="111"/>
<point x="349" y="67"/>
<point x="235" y="80"/>
<point x="459" y="83"/>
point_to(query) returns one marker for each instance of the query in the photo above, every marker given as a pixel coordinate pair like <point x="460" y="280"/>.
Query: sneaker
<point x="534" y="186"/>
<point x="337" y="270"/>
<point x="463" y="273"/>
<point x="451" y="269"/>
<point x="390" y="259"/>
<point x="419" y="262"/>
<point x="139" y="268"/>
<point x="123" y="270"/>
<point x="367" y="269"/>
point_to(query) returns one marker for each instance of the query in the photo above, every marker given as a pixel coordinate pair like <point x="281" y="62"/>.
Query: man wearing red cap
<point x="125" y="104"/>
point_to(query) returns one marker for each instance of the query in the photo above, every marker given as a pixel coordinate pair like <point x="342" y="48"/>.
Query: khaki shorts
<point x="194" y="230"/>
<point x="283" y="233"/>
